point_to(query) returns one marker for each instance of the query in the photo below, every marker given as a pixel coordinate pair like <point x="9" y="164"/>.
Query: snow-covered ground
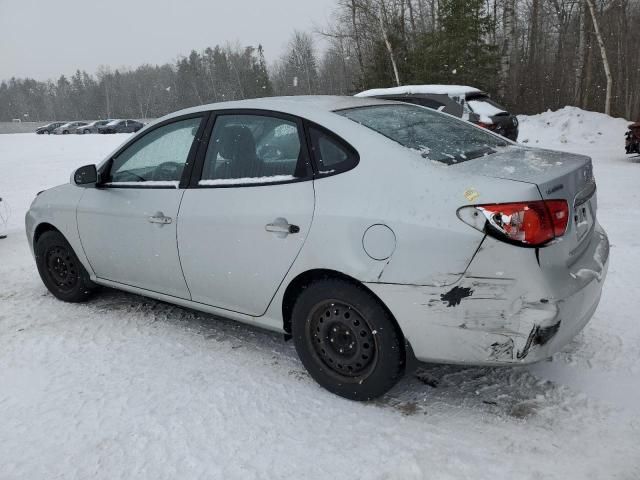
<point x="127" y="387"/>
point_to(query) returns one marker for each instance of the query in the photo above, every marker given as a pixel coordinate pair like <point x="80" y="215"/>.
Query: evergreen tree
<point x="459" y="52"/>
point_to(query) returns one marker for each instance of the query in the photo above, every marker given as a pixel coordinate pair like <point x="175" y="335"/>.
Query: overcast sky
<point x="46" y="38"/>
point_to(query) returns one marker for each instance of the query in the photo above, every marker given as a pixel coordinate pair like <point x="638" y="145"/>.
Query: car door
<point x="127" y="225"/>
<point x="248" y="211"/>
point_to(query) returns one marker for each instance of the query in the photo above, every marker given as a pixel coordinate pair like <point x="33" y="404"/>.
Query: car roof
<point x="452" y="90"/>
<point x="294" y="105"/>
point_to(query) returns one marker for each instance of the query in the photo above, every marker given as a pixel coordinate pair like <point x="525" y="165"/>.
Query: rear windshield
<point x="436" y="136"/>
<point x="484" y="106"/>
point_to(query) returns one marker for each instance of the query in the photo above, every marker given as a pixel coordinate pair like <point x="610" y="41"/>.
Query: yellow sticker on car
<point x="471" y="194"/>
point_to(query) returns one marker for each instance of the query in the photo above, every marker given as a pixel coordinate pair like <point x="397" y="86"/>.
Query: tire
<point x="85" y="132"/>
<point x="347" y="340"/>
<point x="60" y="270"/>
<point x="65" y="132"/>
<point x="47" y="132"/>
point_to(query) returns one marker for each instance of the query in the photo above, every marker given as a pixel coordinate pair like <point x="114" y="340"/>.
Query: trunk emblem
<point x="555" y="189"/>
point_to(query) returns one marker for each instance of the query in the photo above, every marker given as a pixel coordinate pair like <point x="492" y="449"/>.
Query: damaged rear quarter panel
<point x="434" y="247"/>
<point x="490" y="316"/>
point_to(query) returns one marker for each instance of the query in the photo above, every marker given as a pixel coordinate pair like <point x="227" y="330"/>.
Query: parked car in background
<point x="464" y="102"/>
<point x="121" y="126"/>
<point x="68" y="128"/>
<point x="632" y="144"/>
<point x="371" y="232"/>
<point x="49" y="128"/>
<point x="92" y="127"/>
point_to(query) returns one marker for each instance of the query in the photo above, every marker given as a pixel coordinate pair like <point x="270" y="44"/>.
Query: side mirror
<point x="86" y="176"/>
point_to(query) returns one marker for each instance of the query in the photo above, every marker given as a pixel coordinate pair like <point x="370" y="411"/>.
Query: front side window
<point x="158" y="158"/>
<point x="436" y="136"/>
<point x="253" y="149"/>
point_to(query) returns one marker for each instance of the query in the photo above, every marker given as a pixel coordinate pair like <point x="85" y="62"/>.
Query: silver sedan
<point x="373" y="233"/>
<point x="67" y="128"/>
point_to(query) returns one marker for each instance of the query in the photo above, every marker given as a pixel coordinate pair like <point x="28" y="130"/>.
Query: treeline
<point x="214" y="75"/>
<point x="530" y="54"/>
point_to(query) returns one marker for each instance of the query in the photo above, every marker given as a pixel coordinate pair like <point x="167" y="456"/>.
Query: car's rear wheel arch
<point x="303" y="280"/>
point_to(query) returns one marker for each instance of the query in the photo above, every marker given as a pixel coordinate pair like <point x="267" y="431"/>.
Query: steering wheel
<point x="167" y="171"/>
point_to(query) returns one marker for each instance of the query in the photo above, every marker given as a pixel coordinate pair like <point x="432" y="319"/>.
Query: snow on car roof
<point x="451" y="90"/>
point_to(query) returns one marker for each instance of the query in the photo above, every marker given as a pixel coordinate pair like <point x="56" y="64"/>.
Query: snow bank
<point x="571" y="126"/>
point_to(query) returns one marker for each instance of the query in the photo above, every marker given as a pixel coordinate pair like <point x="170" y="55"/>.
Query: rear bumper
<point x="493" y="317"/>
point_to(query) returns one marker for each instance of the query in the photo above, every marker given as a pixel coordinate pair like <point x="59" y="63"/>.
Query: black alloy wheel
<point x="346" y="339"/>
<point x="60" y="269"/>
<point x="342" y="338"/>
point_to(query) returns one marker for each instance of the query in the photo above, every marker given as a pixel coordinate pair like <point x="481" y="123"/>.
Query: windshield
<point x="114" y="122"/>
<point x="436" y="136"/>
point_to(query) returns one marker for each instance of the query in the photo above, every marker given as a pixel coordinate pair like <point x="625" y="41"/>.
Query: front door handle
<point x="282" y="227"/>
<point x="160" y="218"/>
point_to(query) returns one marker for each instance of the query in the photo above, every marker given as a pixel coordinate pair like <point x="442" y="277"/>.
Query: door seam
<point x="184" y="277"/>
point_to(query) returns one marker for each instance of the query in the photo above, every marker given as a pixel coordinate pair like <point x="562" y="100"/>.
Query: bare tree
<point x="382" y="18"/>
<point x="603" y="53"/>
<point x="508" y="44"/>
<point x="582" y="47"/>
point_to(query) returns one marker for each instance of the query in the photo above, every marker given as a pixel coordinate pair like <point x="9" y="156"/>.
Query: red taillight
<point x="528" y="223"/>
<point x="559" y="210"/>
<point x="488" y="126"/>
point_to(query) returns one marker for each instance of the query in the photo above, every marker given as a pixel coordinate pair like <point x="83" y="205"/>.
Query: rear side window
<point x="331" y="154"/>
<point x="437" y="137"/>
<point x="254" y="149"/>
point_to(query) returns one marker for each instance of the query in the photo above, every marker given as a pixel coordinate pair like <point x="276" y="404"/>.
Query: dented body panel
<point x="505" y="309"/>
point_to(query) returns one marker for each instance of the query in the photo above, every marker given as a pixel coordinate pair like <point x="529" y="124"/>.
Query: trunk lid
<point x="558" y="175"/>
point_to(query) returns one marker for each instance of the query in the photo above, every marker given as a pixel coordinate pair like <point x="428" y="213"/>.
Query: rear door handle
<point x="160" y="218"/>
<point x="281" y="226"/>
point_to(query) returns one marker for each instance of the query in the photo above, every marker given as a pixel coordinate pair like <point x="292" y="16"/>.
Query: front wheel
<point x="65" y="132"/>
<point x="60" y="270"/>
<point x="347" y="340"/>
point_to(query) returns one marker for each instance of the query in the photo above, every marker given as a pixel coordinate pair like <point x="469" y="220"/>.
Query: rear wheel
<point x="86" y="131"/>
<point x="60" y="270"/>
<point x="347" y="340"/>
<point x="47" y="132"/>
<point x="65" y="132"/>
